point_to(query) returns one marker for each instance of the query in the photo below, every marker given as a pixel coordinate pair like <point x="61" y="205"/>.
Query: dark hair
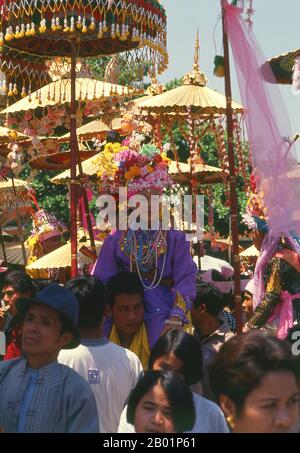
<point x="179" y="396"/>
<point x="210" y="296"/>
<point x="123" y="283"/>
<point x="42" y="283"/>
<point x="20" y="281"/>
<point x="186" y="348"/>
<point x="90" y="292"/>
<point x="244" y="361"/>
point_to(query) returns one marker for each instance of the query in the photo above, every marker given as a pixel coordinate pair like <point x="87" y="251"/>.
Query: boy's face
<point x="42" y="333"/>
<point x="128" y="313"/>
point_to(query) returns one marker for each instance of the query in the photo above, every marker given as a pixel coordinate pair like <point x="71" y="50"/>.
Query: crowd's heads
<point x="209" y="297"/>
<point x="123" y="282"/>
<point x="161" y="403"/>
<point x="62" y="301"/>
<point x="16" y="284"/>
<point x="125" y="297"/>
<point x="90" y="294"/>
<point x="246" y="372"/>
<point x="176" y="351"/>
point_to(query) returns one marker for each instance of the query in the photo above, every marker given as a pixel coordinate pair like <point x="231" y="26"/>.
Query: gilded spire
<point x="196" y="77"/>
<point x="196" y="55"/>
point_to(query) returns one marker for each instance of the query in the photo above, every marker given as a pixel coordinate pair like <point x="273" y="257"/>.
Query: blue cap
<point x="61" y="300"/>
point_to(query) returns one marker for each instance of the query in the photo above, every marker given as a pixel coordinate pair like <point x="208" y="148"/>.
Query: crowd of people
<point x="75" y="362"/>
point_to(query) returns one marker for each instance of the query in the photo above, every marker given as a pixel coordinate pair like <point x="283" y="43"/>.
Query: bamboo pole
<point x="74" y="182"/>
<point x="20" y="228"/>
<point x="232" y="181"/>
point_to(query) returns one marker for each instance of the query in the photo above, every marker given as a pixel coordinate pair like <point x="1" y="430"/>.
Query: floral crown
<point x="254" y="216"/>
<point x="46" y="225"/>
<point x="134" y="165"/>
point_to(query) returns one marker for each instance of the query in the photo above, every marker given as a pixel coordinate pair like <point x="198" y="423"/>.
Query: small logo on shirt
<point x="94" y="377"/>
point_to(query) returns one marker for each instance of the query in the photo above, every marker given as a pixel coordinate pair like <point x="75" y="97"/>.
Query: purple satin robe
<point x="179" y="267"/>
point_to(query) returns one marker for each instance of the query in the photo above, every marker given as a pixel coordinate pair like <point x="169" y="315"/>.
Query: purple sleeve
<point x="107" y="262"/>
<point x="184" y="276"/>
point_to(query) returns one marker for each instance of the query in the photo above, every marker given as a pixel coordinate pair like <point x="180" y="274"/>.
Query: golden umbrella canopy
<point x="95" y="128"/>
<point x="89" y="168"/>
<point x="9" y="135"/>
<point x="226" y="243"/>
<point x="61" y="258"/>
<point x="14" y="254"/>
<point x="207" y="174"/>
<point x="282" y="66"/>
<point x="9" y="200"/>
<point x="59" y="92"/>
<point x="250" y="251"/>
<point x="85" y="28"/>
<point x="193" y="94"/>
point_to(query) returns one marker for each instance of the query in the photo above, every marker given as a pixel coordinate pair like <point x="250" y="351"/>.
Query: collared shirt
<point x="210" y="346"/>
<point x="61" y="401"/>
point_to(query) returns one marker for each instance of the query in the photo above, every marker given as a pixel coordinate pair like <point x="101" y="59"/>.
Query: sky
<point x="276" y="27"/>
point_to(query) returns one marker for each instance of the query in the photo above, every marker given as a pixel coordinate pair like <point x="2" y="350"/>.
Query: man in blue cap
<point x="37" y="394"/>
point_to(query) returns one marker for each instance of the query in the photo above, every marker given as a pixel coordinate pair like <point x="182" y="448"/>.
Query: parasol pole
<point x="3" y="246"/>
<point x="86" y="204"/>
<point x="232" y="180"/>
<point x="74" y="182"/>
<point x="20" y="229"/>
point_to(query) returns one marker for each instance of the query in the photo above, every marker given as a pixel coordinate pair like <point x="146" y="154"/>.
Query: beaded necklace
<point x="144" y="251"/>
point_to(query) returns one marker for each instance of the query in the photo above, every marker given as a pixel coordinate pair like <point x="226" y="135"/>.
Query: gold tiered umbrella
<point x="85" y="28"/>
<point x="95" y="129"/>
<point x="9" y="135"/>
<point x="89" y="168"/>
<point x="206" y="174"/>
<point x="13" y="254"/>
<point x="193" y="94"/>
<point x="59" y="92"/>
<point x="58" y="260"/>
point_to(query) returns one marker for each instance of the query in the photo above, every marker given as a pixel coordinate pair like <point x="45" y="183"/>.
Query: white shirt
<point x="209" y="418"/>
<point x="112" y="372"/>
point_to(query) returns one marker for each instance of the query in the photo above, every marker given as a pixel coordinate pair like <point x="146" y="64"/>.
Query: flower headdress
<point x="137" y="166"/>
<point x="255" y="215"/>
<point x="44" y="226"/>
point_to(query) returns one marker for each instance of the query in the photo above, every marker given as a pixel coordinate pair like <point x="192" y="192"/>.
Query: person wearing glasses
<point x="16" y="284"/>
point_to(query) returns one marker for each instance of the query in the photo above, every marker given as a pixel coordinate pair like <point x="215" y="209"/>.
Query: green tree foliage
<point x="52" y="197"/>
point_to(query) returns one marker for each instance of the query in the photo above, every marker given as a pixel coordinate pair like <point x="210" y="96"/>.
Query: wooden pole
<point x="3" y="246"/>
<point x="74" y="182"/>
<point x="86" y="204"/>
<point x="232" y="180"/>
<point x="20" y="229"/>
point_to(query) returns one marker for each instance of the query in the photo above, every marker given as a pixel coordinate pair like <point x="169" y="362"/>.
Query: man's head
<point x="16" y="284"/>
<point x="50" y="321"/>
<point x="90" y="294"/>
<point x="248" y="299"/>
<point x="208" y="303"/>
<point x="125" y="297"/>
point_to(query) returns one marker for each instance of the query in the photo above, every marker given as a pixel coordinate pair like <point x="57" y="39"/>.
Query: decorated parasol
<point x="283" y="66"/>
<point x="59" y="92"/>
<point x="58" y="161"/>
<point x="95" y="129"/>
<point x="85" y="28"/>
<point x="58" y="263"/>
<point x="206" y="174"/>
<point x="9" y="135"/>
<point x="14" y="255"/>
<point x="22" y="73"/>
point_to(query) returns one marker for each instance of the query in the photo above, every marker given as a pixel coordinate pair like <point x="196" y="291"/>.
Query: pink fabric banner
<point x="273" y="154"/>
